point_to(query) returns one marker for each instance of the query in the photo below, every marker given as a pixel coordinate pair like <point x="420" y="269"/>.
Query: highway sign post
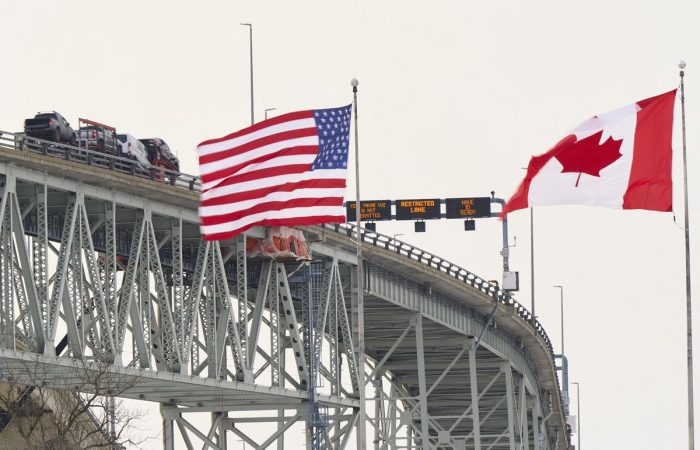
<point x="420" y="210"/>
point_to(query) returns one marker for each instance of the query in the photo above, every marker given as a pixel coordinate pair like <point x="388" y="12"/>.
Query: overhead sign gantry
<point x="420" y="210"/>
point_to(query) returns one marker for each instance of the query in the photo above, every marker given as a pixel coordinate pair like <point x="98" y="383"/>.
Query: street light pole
<point x="268" y="109"/>
<point x="252" y="104"/>
<point x="561" y="297"/>
<point x="564" y="361"/>
<point x="578" y="415"/>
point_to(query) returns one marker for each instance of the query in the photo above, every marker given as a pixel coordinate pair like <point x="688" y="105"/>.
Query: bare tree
<point x="40" y="410"/>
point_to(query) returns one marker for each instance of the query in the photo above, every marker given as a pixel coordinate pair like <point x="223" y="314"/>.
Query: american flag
<point x="288" y="170"/>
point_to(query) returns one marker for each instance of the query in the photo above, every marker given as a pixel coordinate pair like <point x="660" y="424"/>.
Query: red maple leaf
<point x="587" y="155"/>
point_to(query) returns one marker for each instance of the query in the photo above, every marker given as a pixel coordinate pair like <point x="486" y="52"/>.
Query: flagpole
<point x="689" y="321"/>
<point x="532" y="265"/>
<point x="360" y="286"/>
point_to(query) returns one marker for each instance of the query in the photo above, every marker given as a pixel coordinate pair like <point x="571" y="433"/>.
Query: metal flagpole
<point x="360" y="285"/>
<point x="532" y="264"/>
<point x="689" y="321"/>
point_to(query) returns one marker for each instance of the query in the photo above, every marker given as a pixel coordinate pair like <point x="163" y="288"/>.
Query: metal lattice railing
<point x="23" y="143"/>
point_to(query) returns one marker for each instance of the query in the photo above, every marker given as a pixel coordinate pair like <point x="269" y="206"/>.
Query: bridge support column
<point x="309" y="429"/>
<point x="536" y="416"/>
<point x="354" y="294"/>
<point x="168" y="429"/>
<point x="523" y="428"/>
<point x="393" y="407"/>
<point x="278" y="343"/>
<point x="422" y="390"/>
<point x="474" y="391"/>
<point x="506" y="369"/>
<point x="242" y="296"/>
<point x="219" y="420"/>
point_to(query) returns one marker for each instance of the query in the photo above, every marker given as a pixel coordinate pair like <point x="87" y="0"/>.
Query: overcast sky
<point x="455" y="96"/>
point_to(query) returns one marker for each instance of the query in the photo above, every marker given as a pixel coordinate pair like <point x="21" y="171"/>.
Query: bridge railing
<point x="438" y="263"/>
<point x="23" y="143"/>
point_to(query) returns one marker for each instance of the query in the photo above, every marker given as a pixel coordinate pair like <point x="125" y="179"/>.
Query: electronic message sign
<point x="467" y="208"/>
<point x="418" y="209"/>
<point x="370" y="210"/>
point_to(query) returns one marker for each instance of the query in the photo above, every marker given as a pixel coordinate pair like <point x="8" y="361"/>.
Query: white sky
<point x="455" y="97"/>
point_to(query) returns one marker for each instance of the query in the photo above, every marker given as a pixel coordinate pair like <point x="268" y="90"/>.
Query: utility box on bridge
<point x="511" y="281"/>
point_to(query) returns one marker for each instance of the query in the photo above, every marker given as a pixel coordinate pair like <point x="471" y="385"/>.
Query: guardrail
<point x="23" y="143"/>
<point x="438" y="263"/>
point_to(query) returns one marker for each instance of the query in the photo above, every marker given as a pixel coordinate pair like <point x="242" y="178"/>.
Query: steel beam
<point x="510" y="396"/>
<point x="422" y="390"/>
<point x="168" y="417"/>
<point x="258" y="307"/>
<point x="474" y="390"/>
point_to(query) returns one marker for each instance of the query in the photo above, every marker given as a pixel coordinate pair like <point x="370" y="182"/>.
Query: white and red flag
<point x="619" y="159"/>
<point x="288" y="170"/>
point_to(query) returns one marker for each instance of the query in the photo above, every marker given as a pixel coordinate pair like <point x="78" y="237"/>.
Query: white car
<point x="133" y="148"/>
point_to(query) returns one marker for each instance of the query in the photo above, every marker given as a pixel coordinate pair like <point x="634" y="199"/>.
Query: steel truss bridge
<point x="99" y="266"/>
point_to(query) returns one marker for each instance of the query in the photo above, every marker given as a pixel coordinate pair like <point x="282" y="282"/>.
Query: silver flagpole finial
<point x="681" y="64"/>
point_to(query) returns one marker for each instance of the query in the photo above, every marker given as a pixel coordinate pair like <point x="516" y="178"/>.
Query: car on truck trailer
<point x="134" y="149"/>
<point x="97" y="136"/>
<point x="50" y="126"/>
<point x="159" y="155"/>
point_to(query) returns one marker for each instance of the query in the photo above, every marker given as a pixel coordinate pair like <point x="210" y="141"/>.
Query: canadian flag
<point x="620" y="159"/>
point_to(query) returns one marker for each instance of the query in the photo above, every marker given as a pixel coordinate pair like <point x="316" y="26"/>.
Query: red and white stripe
<point x="262" y="175"/>
<point x="639" y="179"/>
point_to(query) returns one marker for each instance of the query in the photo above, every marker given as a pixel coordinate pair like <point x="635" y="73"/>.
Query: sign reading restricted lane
<point x="467" y="208"/>
<point x="418" y="209"/>
<point x="370" y="210"/>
